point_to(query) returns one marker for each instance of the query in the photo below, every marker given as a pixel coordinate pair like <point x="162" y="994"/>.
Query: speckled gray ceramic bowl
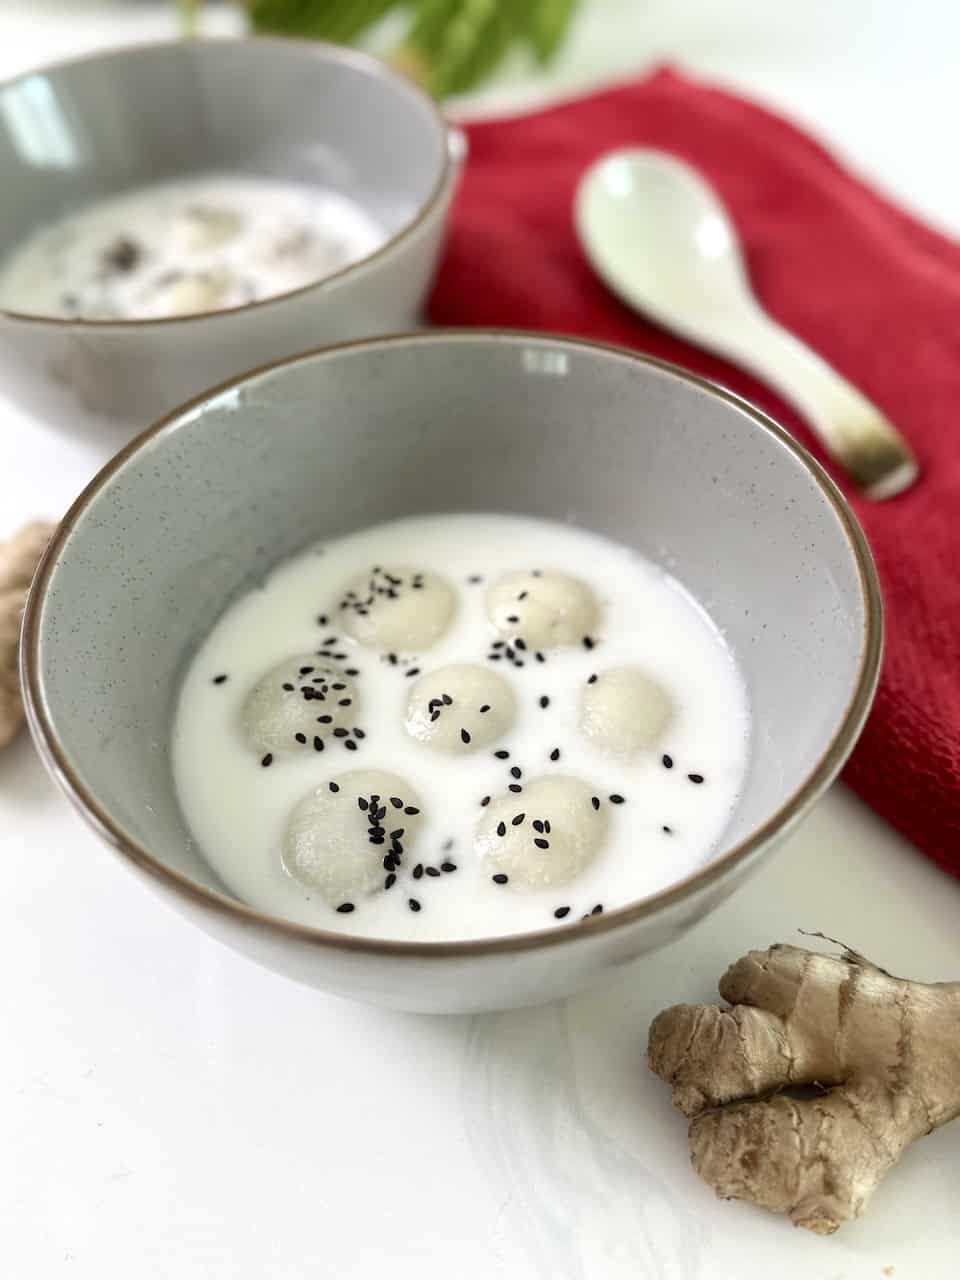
<point x="203" y="504"/>
<point x="76" y="132"/>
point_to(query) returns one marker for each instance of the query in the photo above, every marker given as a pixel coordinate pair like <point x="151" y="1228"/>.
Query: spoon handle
<point x="851" y="428"/>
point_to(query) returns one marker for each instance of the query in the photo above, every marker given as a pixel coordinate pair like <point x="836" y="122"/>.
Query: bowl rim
<point x="323" y="51"/>
<point x="826" y="768"/>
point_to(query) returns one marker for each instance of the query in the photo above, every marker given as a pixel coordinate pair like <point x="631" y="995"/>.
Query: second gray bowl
<point x="80" y="131"/>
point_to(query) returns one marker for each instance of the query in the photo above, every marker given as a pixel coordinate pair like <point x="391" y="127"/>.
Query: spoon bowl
<point x="657" y="234"/>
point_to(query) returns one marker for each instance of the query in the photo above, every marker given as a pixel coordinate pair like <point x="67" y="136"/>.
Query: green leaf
<point x="451" y="44"/>
<point x="461" y="41"/>
<point x="339" y="21"/>
<point x="549" y="21"/>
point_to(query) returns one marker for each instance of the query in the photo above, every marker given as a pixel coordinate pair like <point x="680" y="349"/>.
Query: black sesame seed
<point x="515" y="822"/>
<point x="287" y="687"/>
<point x="324" y="719"/>
<point x="447" y="700"/>
<point x="305" y="671"/>
<point x="433" y="871"/>
<point x="561" y="912"/>
<point x="588" y="643"/>
<point x="555" y="754"/>
<point x="397" y="835"/>
<point x="396" y="802"/>
<point x="515" y="771"/>
<point x="502" y="755"/>
<point x="345" y="702"/>
<point x="339" y="656"/>
<point x="412" y="671"/>
<point x="339" y="733"/>
<point x="219" y="679"/>
<point x="448" y="866"/>
<point x="539" y="656"/>
<point x="595" y="801"/>
<point x="333" y="787"/>
<point x="515" y="787"/>
<point x="321" y="619"/>
<point x="668" y="830"/>
<point x="484" y="802"/>
<point x="597" y="910"/>
<point x="666" y="761"/>
<point x="345" y="908"/>
<point x="267" y="760"/>
<point x="318" y="744"/>
<point x="518" y="663"/>
<point x="351" y="671"/>
<point x="364" y="804"/>
<point x="359" y="733"/>
<point x="541" y="843"/>
<point x="475" y="578"/>
<point x="413" y="904"/>
<point x="339" y="686"/>
<point x="695" y="777"/>
<point x="499" y="878"/>
<point x="392" y="659"/>
<point x="615" y="799"/>
<point x="546" y="825"/>
<point x="501" y="828"/>
<point x="418" y="871"/>
<point x="513" y="617"/>
<point x="390" y="881"/>
<point x="544" y="701"/>
<point x="498" y="644"/>
<point x="493" y="657"/>
<point x="410" y="811"/>
<point x="300" y="737"/>
<point x="537" y="825"/>
<point x="520" y="643"/>
<point x="464" y="737"/>
<point x="485" y="708"/>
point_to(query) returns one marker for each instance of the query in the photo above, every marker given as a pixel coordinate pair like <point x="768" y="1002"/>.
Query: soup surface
<point x="203" y="244"/>
<point x="460" y="726"/>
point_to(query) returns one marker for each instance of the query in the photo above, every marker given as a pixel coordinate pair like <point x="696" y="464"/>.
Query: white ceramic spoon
<point x="663" y="242"/>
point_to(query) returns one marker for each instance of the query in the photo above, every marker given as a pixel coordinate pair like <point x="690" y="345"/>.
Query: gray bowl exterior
<point x="295" y="110"/>
<point x="200" y="508"/>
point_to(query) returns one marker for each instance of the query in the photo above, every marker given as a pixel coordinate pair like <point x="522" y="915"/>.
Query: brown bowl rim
<point x="820" y="776"/>
<point x="309" y="48"/>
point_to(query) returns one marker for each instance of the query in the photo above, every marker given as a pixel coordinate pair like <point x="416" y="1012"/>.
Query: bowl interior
<point x="84" y="130"/>
<point x="200" y="509"/>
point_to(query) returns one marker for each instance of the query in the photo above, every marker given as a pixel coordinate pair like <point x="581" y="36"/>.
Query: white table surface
<point x="169" y="1110"/>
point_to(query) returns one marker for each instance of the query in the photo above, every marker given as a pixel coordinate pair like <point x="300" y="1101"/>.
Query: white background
<point x="167" y="1110"/>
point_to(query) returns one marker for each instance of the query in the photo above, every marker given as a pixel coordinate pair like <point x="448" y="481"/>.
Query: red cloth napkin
<point x="871" y="289"/>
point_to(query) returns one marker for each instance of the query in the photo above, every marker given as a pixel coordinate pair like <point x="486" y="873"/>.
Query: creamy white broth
<point x="672" y="795"/>
<point x="203" y="244"/>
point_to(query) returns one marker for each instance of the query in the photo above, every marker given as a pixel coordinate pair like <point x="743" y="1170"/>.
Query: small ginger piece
<point x="18" y="560"/>
<point x="807" y="1090"/>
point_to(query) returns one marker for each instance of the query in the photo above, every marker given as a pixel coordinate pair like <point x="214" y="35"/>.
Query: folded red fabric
<point x="871" y="289"/>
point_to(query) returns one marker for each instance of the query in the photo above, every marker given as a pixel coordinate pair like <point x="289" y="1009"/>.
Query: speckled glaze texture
<point x="198" y="509"/>
<point x="309" y="112"/>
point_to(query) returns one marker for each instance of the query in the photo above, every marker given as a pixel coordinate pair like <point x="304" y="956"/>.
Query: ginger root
<point x="18" y="560"/>
<point x="877" y="1057"/>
